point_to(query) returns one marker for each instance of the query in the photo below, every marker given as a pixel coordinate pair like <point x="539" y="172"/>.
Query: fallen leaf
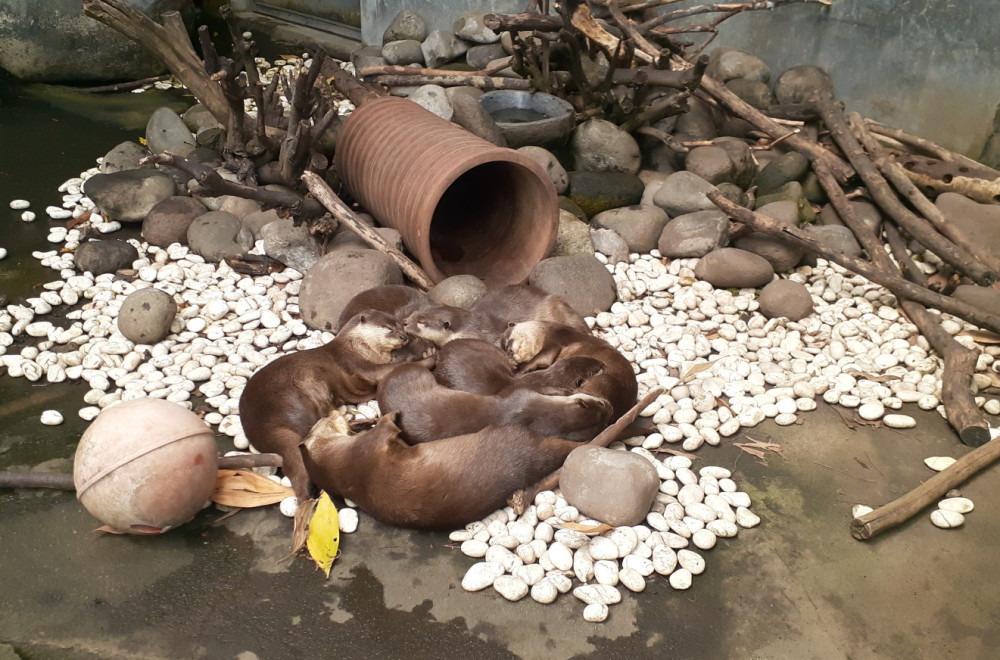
<point x="247" y="489"/>
<point x="587" y="529"/>
<point x="142" y="141"/>
<point x="324" y="534"/>
<point x="981" y="336"/>
<point x="300" y="533"/>
<point x="758" y="447"/>
<point x="696" y="369"/>
<point x="109" y="530"/>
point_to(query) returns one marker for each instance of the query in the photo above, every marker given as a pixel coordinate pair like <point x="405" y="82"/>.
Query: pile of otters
<point x="476" y="403"/>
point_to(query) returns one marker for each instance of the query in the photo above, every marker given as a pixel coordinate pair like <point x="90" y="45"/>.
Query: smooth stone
<point x="257" y="221"/>
<point x="168" y="222"/>
<point x="680" y="579"/>
<point x="51" y="418"/>
<point x="595" y="192"/>
<point x="979" y="222"/>
<point x="238" y="206"/>
<point x="511" y="587"/>
<point x="146" y="315"/>
<point x="124" y="156"/>
<point x="440" y="47"/>
<point x="863" y="210"/>
<point x="433" y="99"/>
<point x="104" y="256"/>
<point x="219" y="235"/>
<point x="354" y="270"/>
<point x="938" y="463"/>
<point x="785" y="298"/>
<point x="129" y="195"/>
<point x="479" y="57"/>
<point x="700" y="122"/>
<point x="871" y="411"/>
<point x="982" y="297"/>
<point x="293" y="246"/>
<point x="481" y="575"/>
<point x="198" y="118"/>
<point x="725" y="64"/>
<point x="167" y="133"/>
<point x="684" y="192"/>
<point x="573" y="236"/>
<point x="370" y="55"/>
<point x="752" y="92"/>
<point x="947" y="519"/>
<point x="610" y="244"/>
<point x="694" y="234"/>
<point x="595" y="612"/>
<point x="550" y="164"/>
<point x="731" y="268"/>
<point x="834" y="237"/>
<point x="599" y="145"/>
<point x="640" y="226"/>
<point x="598" y="593"/>
<point x="406" y="25"/>
<point x="710" y="163"/>
<point x="614" y="487"/>
<point x="803" y="84"/>
<point x="782" y="255"/>
<point x="458" y="291"/>
<point x="470" y="26"/>
<point x="961" y="505"/>
<point x="403" y="52"/>
<point x="897" y="421"/>
<point x="473" y="117"/>
<point x="743" y="161"/>
<point x="580" y="280"/>
<point x="789" y="166"/>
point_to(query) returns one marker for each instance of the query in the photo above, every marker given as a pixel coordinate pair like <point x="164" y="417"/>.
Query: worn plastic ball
<point x="145" y="466"/>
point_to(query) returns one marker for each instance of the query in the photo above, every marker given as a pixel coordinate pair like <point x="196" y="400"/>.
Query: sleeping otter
<point x="429" y="411"/>
<point x="538" y="344"/>
<point x="284" y="398"/>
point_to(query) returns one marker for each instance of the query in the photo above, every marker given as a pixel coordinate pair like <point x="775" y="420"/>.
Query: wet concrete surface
<point x="797" y="586"/>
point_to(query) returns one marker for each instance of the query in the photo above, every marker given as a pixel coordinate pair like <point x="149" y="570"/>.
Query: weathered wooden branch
<point x="523" y="498"/>
<point x="522" y="22"/>
<point x="894" y="283"/>
<point x="303" y="207"/>
<point x="169" y="42"/>
<point x="727" y="7"/>
<point x="979" y="190"/>
<point x="903" y="508"/>
<point x="923" y="146"/>
<point x="341" y="212"/>
<point x="640" y="41"/>
<point x="452" y="80"/>
<point x="356" y="91"/>
<point x="918" y="228"/>
<point x="896" y="175"/>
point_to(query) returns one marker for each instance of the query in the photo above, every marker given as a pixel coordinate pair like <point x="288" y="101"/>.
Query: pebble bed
<point x="724" y="367"/>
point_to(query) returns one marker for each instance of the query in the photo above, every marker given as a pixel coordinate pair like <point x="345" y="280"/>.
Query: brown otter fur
<point x="538" y="344"/>
<point x="396" y="299"/>
<point x="521" y="302"/>
<point x="479" y="367"/>
<point x="429" y="411"/>
<point x="441" y="324"/>
<point x="435" y="485"/>
<point x="284" y="398"/>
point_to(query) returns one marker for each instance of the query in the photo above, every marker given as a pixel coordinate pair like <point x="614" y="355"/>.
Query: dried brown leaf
<point x="759" y="447"/>
<point x="105" y="529"/>
<point x="695" y="370"/>
<point x="587" y="529"/>
<point x="981" y="336"/>
<point x="247" y="489"/>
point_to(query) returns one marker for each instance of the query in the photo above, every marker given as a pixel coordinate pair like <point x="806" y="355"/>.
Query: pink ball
<point x="145" y="466"/>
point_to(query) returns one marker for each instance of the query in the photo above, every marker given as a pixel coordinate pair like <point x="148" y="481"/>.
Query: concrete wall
<point x="930" y="67"/>
<point x="439" y="14"/>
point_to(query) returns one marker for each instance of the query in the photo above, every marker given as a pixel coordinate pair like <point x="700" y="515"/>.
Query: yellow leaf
<point x="142" y="141"/>
<point x="981" y="336"/>
<point x="696" y="369"/>
<point x="324" y="534"/>
<point x="246" y="489"/>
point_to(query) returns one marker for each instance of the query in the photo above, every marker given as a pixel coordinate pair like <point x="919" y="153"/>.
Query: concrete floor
<point x="798" y="586"/>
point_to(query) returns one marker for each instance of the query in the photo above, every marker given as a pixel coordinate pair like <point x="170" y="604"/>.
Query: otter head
<point x="523" y="341"/>
<point x="436" y="324"/>
<point x="597" y="409"/>
<point x="375" y="334"/>
<point x="575" y="371"/>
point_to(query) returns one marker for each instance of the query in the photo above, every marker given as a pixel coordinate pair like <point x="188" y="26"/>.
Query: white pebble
<point x="704" y="539"/>
<point x="681" y="579"/>
<point x="288" y="506"/>
<point x="595" y="612"/>
<point x="598" y="593"/>
<point x="482" y="575"/>
<point x="896" y="421"/>
<point x="956" y="504"/>
<point x="938" y="463"/>
<point x="19" y="204"/>
<point x="51" y="418"/>
<point x="348" y="519"/>
<point x="871" y="411"/>
<point x="859" y="510"/>
<point x="632" y="579"/>
<point x="544" y="592"/>
<point x="691" y="560"/>
<point x="946" y="519"/>
<point x="511" y="587"/>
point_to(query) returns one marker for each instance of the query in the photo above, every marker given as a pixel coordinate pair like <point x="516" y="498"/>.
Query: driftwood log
<point x="902" y="509"/>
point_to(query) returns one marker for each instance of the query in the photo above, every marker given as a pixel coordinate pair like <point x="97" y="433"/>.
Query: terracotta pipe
<point x="462" y="204"/>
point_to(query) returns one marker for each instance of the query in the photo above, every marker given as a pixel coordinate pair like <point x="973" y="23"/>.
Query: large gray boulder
<point x="293" y="246"/>
<point x="601" y="146"/>
<point x="166" y="132"/>
<point x="581" y="280"/>
<point x="615" y="487"/>
<point x="129" y="195"/>
<point x="52" y="41"/>
<point x="168" y="221"/>
<point x="104" y="256"/>
<point x="146" y="315"/>
<point x="339" y="276"/>
<point x="219" y="235"/>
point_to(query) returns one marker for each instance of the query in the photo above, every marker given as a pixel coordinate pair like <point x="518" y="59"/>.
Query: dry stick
<point x="897" y="285"/>
<point x="456" y="80"/>
<point x="979" y="190"/>
<point x="903" y="508"/>
<point x="522" y="22"/>
<point x="896" y="175"/>
<point x="729" y="7"/>
<point x="931" y="148"/>
<point x="335" y="206"/>
<point x="169" y="42"/>
<point x="60" y="481"/>
<point x="812" y="150"/>
<point x="521" y="499"/>
<point x="397" y="70"/>
<point x="581" y="18"/>
<point x="918" y="228"/>
<point x="897" y="245"/>
<point x="628" y="27"/>
<point x="959" y="362"/>
<point x="345" y="83"/>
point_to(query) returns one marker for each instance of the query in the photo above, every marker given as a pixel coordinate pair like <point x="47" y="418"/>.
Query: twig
<point x="340" y="211"/>
<point x="921" y="145"/>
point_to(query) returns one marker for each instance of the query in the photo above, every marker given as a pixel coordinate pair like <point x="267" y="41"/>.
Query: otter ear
<point x="447" y="325"/>
<point x="362" y="318"/>
<point x="583" y="403"/>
